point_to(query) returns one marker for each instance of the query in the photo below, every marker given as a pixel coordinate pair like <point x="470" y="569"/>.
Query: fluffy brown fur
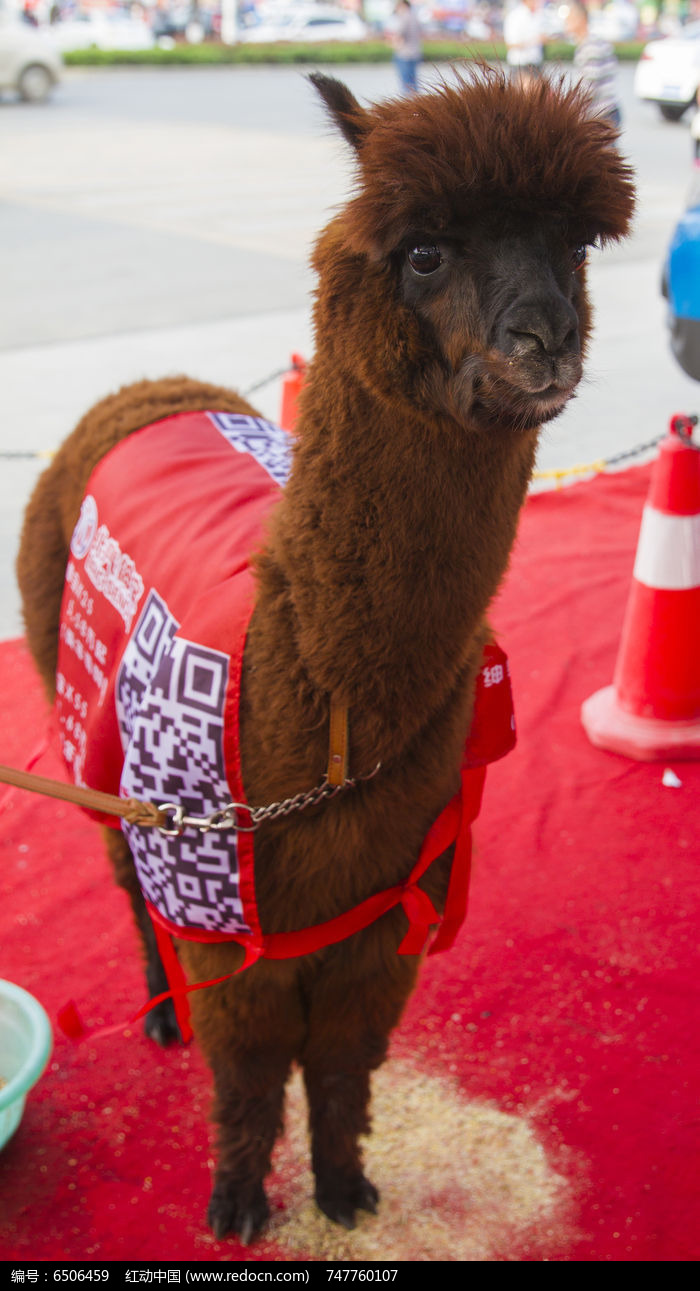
<point x="451" y="317"/>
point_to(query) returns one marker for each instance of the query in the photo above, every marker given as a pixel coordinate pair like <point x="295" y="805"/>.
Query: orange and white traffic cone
<point x="652" y="710"/>
<point x="292" y="386"/>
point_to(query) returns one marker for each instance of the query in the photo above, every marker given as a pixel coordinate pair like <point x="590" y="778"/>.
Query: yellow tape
<point x="559" y="475"/>
<point x="46" y="453"/>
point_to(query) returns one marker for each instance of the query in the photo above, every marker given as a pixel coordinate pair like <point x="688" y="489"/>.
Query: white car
<point x="668" y="72"/>
<point x="95" y="30"/>
<point x="30" y="65"/>
<point x="317" y="23"/>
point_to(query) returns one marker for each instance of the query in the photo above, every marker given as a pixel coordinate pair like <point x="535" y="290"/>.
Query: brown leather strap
<point x="338" y="744"/>
<point x="136" y="813"/>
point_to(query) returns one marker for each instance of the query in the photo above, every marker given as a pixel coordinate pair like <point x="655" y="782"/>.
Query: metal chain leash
<point x="229" y="817"/>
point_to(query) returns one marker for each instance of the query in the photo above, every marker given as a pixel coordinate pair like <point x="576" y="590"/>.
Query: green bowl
<point x="25" y="1046"/>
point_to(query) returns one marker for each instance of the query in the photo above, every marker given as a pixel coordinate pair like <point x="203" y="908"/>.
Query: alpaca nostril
<point x="540" y="327"/>
<point x="540" y="338"/>
<point x="525" y="342"/>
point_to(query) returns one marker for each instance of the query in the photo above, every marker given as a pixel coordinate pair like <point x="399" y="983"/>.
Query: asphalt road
<point x="159" y="220"/>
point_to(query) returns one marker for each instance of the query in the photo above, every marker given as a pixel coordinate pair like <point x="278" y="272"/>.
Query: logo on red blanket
<point x="85" y="529"/>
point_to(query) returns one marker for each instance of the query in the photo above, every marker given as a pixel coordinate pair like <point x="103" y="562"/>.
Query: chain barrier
<point x="274" y="376"/>
<point x="586" y="468"/>
<point x="557" y="474"/>
<point x="40" y="452"/>
<point x="601" y="464"/>
<point x="48" y="453"/>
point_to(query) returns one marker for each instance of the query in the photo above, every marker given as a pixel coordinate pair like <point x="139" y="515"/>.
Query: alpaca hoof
<point x="231" y="1213"/>
<point x="340" y="1201"/>
<point x="369" y="1197"/>
<point x="161" y="1024"/>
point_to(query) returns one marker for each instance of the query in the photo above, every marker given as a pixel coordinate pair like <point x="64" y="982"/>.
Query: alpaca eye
<point x="425" y="258"/>
<point x="579" y="257"/>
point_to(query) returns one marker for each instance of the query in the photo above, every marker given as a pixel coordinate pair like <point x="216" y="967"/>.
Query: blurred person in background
<point x="523" y="33"/>
<point x="596" y="63"/>
<point x="407" y="40"/>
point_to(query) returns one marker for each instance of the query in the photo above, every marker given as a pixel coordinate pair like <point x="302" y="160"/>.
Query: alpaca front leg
<point x="249" y="1108"/>
<point x="355" y="1005"/>
<point x="338" y="1115"/>
<point x="250" y="1029"/>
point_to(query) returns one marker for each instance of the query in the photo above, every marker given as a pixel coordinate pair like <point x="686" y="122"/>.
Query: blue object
<point x="681" y="287"/>
<point x="684" y="266"/>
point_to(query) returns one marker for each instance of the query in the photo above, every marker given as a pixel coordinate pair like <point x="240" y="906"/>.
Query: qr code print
<point x="152" y="638"/>
<point x="268" y="444"/>
<point x="175" y="754"/>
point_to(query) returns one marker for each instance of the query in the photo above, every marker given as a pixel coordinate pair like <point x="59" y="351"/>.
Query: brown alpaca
<point x="451" y="319"/>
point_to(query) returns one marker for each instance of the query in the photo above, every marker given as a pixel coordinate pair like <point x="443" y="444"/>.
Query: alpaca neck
<point x="392" y="537"/>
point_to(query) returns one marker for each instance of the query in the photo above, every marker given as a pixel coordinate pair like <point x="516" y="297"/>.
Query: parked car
<point x="315" y="23"/>
<point x="30" y="64"/>
<point x="668" y="72"/>
<point x="101" y="30"/>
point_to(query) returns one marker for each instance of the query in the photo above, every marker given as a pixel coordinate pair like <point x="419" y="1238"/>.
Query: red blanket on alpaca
<point x="157" y="602"/>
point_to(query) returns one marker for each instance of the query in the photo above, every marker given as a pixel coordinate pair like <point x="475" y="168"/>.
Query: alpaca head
<point x="459" y="265"/>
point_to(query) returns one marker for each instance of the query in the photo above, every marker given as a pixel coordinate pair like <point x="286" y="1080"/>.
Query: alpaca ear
<point x="351" y="119"/>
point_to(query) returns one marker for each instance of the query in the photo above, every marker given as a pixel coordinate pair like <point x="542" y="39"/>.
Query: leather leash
<point x="136" y="813"/>
<point x="146" y="814"/>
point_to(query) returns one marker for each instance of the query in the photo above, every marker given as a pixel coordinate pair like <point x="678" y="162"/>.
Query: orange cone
<point x="652" y="710"/>
<point x="292" y="386"/>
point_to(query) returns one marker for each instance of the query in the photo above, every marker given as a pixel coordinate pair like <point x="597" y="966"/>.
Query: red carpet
<point x="545" y="1077"/>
